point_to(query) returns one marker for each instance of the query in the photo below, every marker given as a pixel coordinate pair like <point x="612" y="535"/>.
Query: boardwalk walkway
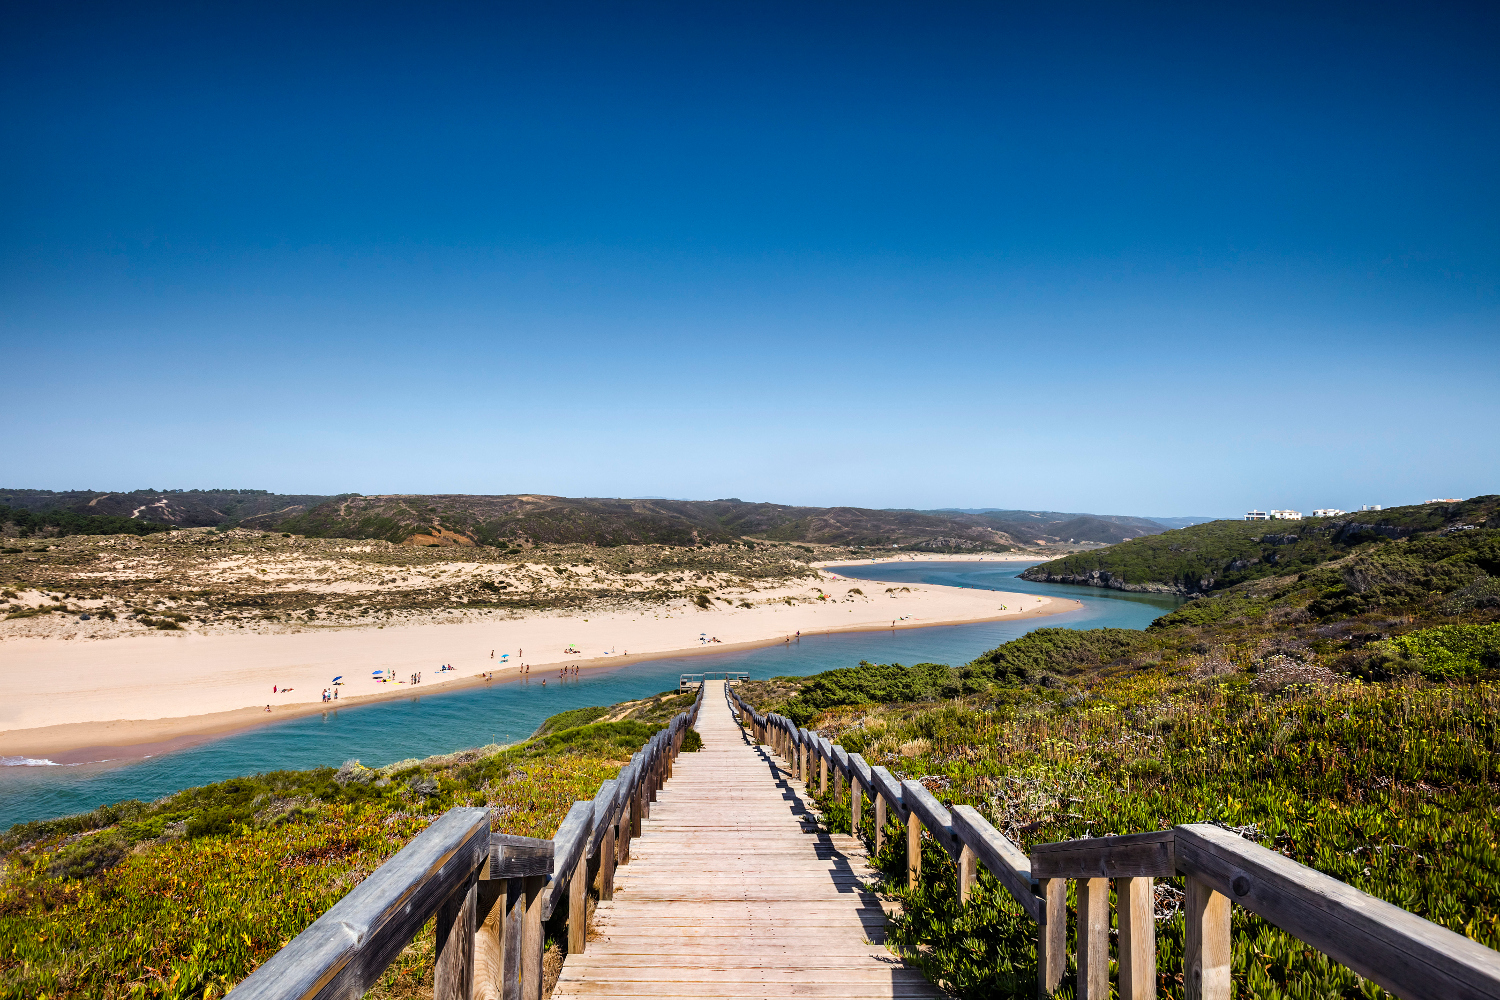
<point x="732" y="893"/>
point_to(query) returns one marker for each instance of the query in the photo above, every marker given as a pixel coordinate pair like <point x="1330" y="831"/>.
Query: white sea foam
<point x="27" y="762"/>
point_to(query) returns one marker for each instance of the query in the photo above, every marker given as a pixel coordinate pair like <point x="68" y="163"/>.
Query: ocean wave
<point x="27" y="762"/>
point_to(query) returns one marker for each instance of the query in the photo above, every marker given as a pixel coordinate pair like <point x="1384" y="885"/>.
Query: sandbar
<point x="129" y="696"/>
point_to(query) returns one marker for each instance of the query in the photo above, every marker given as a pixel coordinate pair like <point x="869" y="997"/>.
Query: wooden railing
<point x="1398" y="950"/>
<point x="491" y="894"/>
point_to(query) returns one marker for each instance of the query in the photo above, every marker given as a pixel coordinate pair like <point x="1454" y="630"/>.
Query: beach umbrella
<point x="338" y="678"/>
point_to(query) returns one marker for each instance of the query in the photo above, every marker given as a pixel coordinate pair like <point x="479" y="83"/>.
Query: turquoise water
<point x="505" y="712"/>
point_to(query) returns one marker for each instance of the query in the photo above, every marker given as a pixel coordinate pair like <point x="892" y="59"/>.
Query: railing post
<point x="512" y="937"/>
<point x="532" y="939"/>
<point x="607" y="863"/>
<point x="822" y="774"/>
<point x="1052" y="935"/>
<point x="856" y="805"/>
<point x="967" y="872"/>
<point x="622" y="839"/>
<point x="802" y="764"/>
<point x="879" y="821"/>
<point x="913" y="850"/>
<point x="578" y="914"/>
<point x="489" y="960"/>
<point x="453" y="977"/>
<point x="635" y="813"/>
<point x="1093" y="939"/>
<point x="1135" y="907"/>
<point x="1206" y="947"/>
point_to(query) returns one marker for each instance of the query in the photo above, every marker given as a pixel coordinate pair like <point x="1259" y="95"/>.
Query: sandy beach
<point x="71" y="701"/>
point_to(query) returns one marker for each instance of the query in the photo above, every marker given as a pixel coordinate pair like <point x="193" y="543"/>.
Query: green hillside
<point x="524" y="520"/>
<point x="1347" y="716"/>
<point x="1220" y="554"/>
<point x="184" y="896"/>
<point x="21" y="523"/>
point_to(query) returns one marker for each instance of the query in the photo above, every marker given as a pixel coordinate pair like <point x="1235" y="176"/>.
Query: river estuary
<point x="505" y="712"/>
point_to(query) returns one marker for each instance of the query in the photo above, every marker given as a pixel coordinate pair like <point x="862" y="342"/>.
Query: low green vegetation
<point x="1346" y="715"/>
<point x="1221" y="554"/>
<point x="17" y="522"/>
<point x="185" y="896"/>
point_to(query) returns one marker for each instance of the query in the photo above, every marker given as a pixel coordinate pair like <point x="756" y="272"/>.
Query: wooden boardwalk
<point x="731" y="892"/>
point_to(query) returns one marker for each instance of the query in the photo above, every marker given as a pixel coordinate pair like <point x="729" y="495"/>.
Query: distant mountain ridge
<point x="530" y="518"/>
<point x="520" y="519"/>
<point x="1044" y="517"/>
<point x="533" y="519"/>
<point x="183" y="508"/>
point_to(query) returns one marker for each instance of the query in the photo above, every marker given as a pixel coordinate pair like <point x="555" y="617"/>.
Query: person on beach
<point x="268" y="708"/>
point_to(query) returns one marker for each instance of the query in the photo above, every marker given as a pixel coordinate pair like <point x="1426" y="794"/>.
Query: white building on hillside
<point x="1371" y="506"/>
<point x="1329" y="512"/>
<point x="1286" y="515"/>
<point x="1257" y="515"/>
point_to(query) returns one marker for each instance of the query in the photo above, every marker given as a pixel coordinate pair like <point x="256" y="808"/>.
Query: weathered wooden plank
<point x="512" y="936"/>
<point x="604" y="808"/>
<point x="1093" y="939"/>
<point x="607" y="864"/>
<point x="1135" y="909"/>
<point x="512" y="856"/>
<point x="534" y="890"/>
<point x="913" y="850"/>
<point x="489" y="961"/>
<point x="569" y="842"/>
<point x="578" y="932"/>
<point x="862" y="770"/>
<point x="934" y="816"/>
<point x="1003" y="859"/>
<point x="889" y="789"/>
<point x="453" y="973"/>
<point x="1206" y="951"/>
<point x="345" y="950"/>
<point x="1407" y="955"/>
<point x="1130" y="856"/>
<point x="1051" y="935"/>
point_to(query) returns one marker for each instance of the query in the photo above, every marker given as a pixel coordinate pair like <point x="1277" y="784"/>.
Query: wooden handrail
<point x="1412" y="957"/>
<point x="1400" y="951"/>
<point x="346" y="950"/>
<point x="490" y="892"/>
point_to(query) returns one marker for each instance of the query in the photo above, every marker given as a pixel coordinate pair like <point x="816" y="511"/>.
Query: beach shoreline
<point x="909" y="557"/>
<point x="87" y="740"/>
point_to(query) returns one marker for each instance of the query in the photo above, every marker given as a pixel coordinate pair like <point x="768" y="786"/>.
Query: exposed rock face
<point x="1104" y="578"/>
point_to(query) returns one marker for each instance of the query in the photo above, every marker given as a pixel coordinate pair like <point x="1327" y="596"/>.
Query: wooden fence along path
<point x="718" y="884"/>
<point x="731" y="891"/>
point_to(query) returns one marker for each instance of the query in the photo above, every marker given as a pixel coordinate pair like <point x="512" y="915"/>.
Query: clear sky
<point x="1128" y="258"/>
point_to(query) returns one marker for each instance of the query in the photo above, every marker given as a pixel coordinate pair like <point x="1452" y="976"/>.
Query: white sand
<point x="134" y="689"/>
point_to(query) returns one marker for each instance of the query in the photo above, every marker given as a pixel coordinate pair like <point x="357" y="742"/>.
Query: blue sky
<point x="1172" y="260"/>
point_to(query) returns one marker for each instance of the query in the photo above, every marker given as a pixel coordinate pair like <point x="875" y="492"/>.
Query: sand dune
<point x="129" y="690"/>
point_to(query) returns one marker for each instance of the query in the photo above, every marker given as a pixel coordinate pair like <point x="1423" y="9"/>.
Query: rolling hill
<point x="530" y="519"/>
<point x="180" y="508"/>
<point x="524" y="519"/>
<point x="1220" y="554"/>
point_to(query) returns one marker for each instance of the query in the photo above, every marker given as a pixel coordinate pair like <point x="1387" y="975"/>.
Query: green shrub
<point x="1446" y="652"/>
